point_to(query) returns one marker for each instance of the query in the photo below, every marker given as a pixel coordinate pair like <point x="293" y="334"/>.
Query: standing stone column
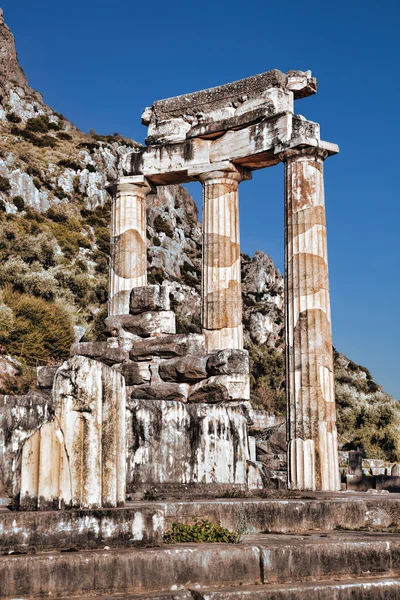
<point x="128" y="267"/>
<point x="311" y="419"/>
<point x="221" y="281"/>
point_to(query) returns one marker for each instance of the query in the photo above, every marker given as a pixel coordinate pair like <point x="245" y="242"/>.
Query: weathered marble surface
<point x="128" y="266"/>
<point x="79" y="458"/>
<point x="312" y="447"/>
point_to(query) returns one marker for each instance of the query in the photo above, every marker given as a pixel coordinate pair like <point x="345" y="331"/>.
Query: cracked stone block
<point x="168" y="346"/>
<point x="149" y="298"/>
<point x="100" y="351"/>
<point x="45" y="376"/>
<point x="227" y="362"/>
<point x="221" y="388"/>
<point x="144" y="324"/>
<point x="135" y="373"/>
<point x="185" y="368"/>
<point x="162" y="391"/>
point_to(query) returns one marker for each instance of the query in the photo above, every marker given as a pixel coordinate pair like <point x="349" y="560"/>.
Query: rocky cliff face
<point x="54" y="220"/>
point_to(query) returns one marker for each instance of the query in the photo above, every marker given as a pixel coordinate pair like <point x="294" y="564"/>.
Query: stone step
<point x="263" y="559"/>
<point x="295" y="515"/>
<point x="367" y="589"/>
<point x="141" y="525"/>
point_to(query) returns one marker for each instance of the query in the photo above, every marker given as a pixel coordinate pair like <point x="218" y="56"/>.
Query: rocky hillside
<point x="54" y="245"/>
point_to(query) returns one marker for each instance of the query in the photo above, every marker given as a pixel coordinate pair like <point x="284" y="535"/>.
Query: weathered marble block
<point x="144" y="324"/>
<point x="135" y="373"/>
<point x="149" y="298"/>
<point x="101" y="351"/>
<point x="172" y="443"/>
<point x="228" y="362"/>
<point x="186" y="368"/>
<point x="221" y="388"/>
<point x="168" y="346"/>
<point x="79" y="458"/>
<point x="45" y="376"/>
<point x="162" y="391"/>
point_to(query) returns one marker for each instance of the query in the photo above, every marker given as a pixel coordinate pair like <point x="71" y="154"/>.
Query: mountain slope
<point x="54" y="246"/>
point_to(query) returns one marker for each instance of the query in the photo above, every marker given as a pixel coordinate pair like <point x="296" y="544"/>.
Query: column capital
<point x="136" y="184"/>
<point x="220" y="170"/>
<point x="304" y="152"/>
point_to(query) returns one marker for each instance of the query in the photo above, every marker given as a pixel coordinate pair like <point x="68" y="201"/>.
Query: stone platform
<point x="331" y="546"/>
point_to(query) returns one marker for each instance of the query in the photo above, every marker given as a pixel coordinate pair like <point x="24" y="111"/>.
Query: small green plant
<point x="62" y="135"/>
<point x="5" y="185"/>
<point x="201" y="531"/>
<point x="19" y="202"/>
<point x="38" y="124"/>
<point x="13" y="118"/>
<point x="161" y="225"/>
<point x="70" y="164"/>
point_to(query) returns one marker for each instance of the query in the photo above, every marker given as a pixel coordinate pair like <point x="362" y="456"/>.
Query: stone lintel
<point x="222" y="167"/>
<point x="252" y="148"/>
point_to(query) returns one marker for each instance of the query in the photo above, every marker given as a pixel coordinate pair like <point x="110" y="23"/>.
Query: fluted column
<point x="311" y="418"/>
<point x="128" y="266"/>
<point x="221" y="282"/>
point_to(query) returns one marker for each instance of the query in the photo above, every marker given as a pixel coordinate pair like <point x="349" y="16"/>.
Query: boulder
<point x="101" y="351"/>
<point x="168" y="346"/>
<point x="227" y="362"/>
<point x="161" y="391"/>
<point x="395" y="471"/>
<point x="149" y="298"/>
<point x="135" y="373"/>
<point x="184" y="368"/>
<point x="144" y="324"/>
<point x="45" y="376"/>
<point x="221" y="388"/>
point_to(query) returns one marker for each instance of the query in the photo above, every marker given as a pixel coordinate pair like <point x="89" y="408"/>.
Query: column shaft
<point x="221" y="282"/>
<point x="128" y="267"/>
<point x="311" y="418"/>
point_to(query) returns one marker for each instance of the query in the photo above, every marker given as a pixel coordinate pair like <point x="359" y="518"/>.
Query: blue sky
<point x="101" y="63"/>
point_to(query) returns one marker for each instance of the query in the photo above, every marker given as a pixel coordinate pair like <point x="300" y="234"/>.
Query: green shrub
<point x="102" y="239"/>
<point x="201" y="531"/>
<point x="38" y="124"/>
<point x="70" y="164"/>
<point x="19" y="202"/>
<point x="161" y="225"/>
<point x="20" y="383"/>
<point x="42" y="330"/>
<point x="13" y="118"/>
<point x="62" y="135"/>
<point x="267" y="378"/>
<point x="2" y="206"/>
<point x="5" y="185"/>
<point x="91" y="168"/>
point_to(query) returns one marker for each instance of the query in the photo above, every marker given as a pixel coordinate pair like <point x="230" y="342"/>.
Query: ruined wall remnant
<point x="78" y="459"/>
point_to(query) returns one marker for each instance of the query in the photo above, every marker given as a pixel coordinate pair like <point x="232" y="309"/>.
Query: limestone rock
<point x="45" y="376"/>
<point x="227" y="362"/>
<point x="144" y="324"/>
<point x="221" y="388"/>
<point x="168" y="346"/>
<point x="149" y="298"/>
<point x="186" y="368"/>
<point x="135" y="373"/>
<point x="100" y="351"/>
<point x="162" y="391"/>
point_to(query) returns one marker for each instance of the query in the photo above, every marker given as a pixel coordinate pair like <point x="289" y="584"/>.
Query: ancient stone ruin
<point x="152" y="429"/>
<point x="182" y="401"/>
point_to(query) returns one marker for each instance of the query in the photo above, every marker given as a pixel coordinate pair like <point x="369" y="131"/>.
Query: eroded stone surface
<point x="227" y="362"/>
<point x="45" y="376"/>
<point x="78" y="459"/>
<point x="168" y="346"/>
<point x="220" y="388"/>
<point x="144" y="324"/>
<point x="186" y="368"/>
<point x="135" y="373"/>
<point x="149" y="298"/>
<point x="101" y="351"/>
<point x="162" y="391"/>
